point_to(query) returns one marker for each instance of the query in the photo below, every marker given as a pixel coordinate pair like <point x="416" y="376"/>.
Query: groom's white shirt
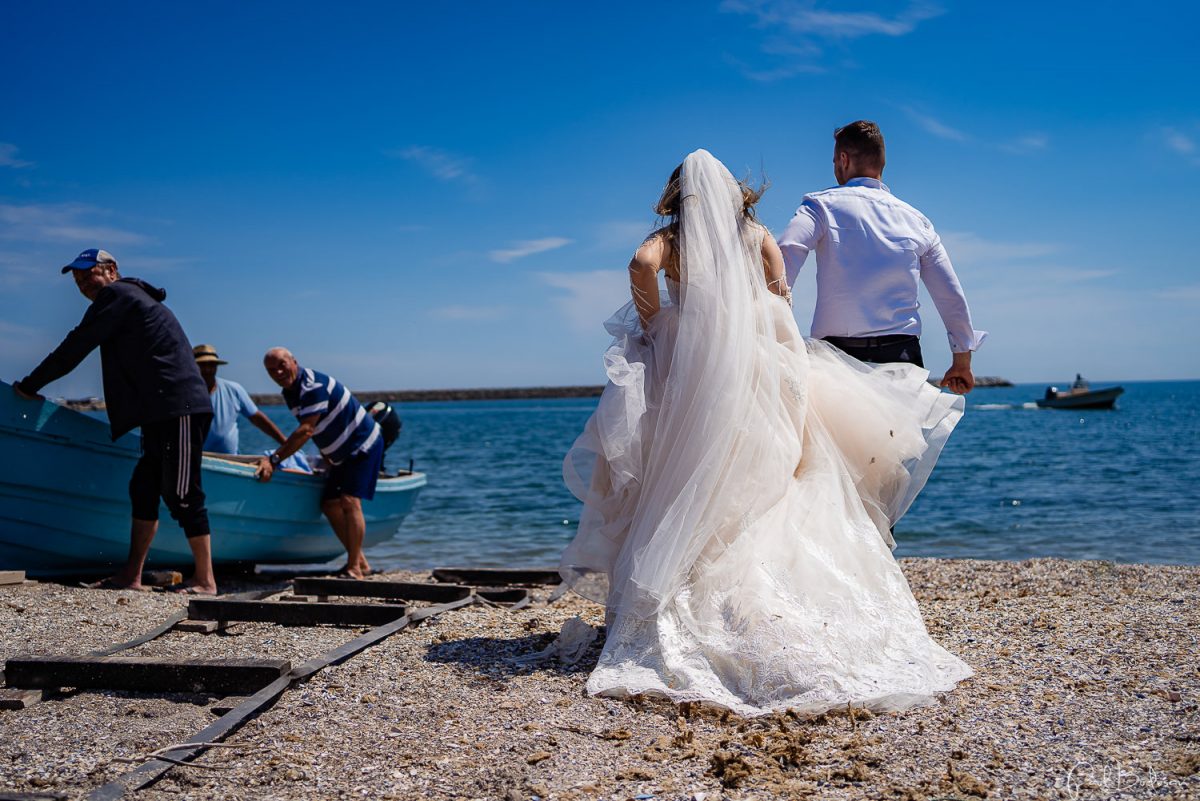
<point x="871" y="249"/>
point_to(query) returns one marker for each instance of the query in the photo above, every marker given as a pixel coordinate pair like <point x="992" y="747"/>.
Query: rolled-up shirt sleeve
<point x="938" y="274"/>
<point x="245" y="405"/>
<point x="801" y="236"/>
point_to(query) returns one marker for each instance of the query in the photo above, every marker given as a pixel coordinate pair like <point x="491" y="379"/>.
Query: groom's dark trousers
<point x="881" y="350"/>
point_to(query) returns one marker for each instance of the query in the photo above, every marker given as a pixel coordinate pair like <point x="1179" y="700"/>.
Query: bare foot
<point x="196" y="589"/>
<point x="114" y="583"/>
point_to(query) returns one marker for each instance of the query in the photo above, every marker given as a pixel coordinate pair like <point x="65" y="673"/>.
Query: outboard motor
<point x="389" y="421"/>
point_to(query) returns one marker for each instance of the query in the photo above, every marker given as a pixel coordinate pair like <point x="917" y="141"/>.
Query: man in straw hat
<point x="150" y="382"/>
<point x="229" y="399"/>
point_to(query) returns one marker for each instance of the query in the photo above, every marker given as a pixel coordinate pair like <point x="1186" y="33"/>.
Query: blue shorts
<point x="356" y="476"/>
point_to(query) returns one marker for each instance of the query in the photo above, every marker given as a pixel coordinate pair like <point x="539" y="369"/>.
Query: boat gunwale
<point x="215" y="463"/>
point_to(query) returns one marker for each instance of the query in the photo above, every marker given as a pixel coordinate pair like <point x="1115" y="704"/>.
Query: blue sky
<point x="434" y="195"/>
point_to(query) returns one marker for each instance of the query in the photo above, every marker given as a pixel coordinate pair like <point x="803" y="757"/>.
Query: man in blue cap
<point x="150" y="381"/>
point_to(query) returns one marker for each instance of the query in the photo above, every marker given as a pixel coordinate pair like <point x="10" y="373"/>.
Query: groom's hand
<point x="959" y="379"/>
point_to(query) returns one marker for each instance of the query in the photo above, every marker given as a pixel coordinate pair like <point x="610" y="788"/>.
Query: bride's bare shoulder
<point x="755" y="226"/>
<point x="654" y="248"/>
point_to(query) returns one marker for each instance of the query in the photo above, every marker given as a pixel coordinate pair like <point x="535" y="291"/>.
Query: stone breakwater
<point x="418" y="395"/>
<point x="515" y="393"/>
<point x="500" y="393"/>
<point x="1086" y="687"/>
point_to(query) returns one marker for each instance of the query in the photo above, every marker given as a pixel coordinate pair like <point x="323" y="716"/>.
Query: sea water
<point x="1014" y="482"/>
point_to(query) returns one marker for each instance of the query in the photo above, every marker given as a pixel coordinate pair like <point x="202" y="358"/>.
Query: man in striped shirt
<point x="347" y="437"/>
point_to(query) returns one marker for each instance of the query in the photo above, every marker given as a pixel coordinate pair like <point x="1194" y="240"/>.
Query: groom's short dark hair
<point x="862" y="140"/>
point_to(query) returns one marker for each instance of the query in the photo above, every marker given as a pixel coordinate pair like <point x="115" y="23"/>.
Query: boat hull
<point x="1096" y="399"/>
<point x="64" y="501"/>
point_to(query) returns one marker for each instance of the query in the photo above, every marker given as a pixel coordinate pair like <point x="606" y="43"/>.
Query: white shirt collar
<point x="870" y="183"/>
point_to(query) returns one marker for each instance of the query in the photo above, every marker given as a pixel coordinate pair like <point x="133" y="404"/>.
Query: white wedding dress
<point x="738" y="485"/>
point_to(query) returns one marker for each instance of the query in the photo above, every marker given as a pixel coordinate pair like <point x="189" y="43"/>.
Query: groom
<point x="871" y="249"/>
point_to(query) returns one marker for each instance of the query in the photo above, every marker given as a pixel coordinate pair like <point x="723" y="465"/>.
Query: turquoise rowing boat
<point x="64" y="501"/>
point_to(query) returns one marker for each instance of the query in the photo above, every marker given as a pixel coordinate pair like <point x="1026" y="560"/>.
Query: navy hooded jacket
<point x="150" y="373"/>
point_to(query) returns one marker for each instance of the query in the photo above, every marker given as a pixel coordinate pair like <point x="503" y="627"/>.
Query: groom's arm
<point x="801" y="235"/>
<point x="939" y="278"/>
<point x="938" y="275"/>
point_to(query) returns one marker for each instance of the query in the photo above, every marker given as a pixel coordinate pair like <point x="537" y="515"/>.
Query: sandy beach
<point x="1086" y="686"/>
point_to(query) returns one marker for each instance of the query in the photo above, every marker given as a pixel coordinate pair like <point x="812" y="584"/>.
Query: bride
<point x="739" y="483"/>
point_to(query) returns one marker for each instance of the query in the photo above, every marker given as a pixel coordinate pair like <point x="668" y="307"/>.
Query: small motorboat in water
<point x="64" y="500"/>
<point x="1080" y="396"/>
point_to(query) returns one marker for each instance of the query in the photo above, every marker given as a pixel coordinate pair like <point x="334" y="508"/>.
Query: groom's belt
<point x="870" y="342"/>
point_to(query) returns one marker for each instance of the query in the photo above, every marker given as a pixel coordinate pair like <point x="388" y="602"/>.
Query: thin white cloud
<point x="934" y="126"/>
<point x="789" y="58"/>
<point x="441" y="164"/>
<point x="8" y="157"/>
<point x="1029" y="143"/>
<point x="1180" y="294"/>
<point x="1062" y="276"/>
<point x="967" y="247"/>
<point x="1042" y="330"/>
<point x="157" y="264"/>
<point x="587" y="299"/>
<point x="1182" y="144"/>
<point x="14" y="331"/>
<point x="771" y="74"/>
<point x="59" y="222"/>
<point x="528" y="247"/>
<point x="18" y="270"/>
<point x="806" y="17"/>
<point x="468" y="313"/>
<point x="1179" y="142"/>
<point x="627" y="234"/>
<point x="808" y="27"/>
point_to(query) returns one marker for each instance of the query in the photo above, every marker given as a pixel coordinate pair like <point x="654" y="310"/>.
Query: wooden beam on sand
<point x="493" y="576"/>
<point x="356" y="588"/>
<point x="141" y="674"/>
<point x="201" y="626"/>
<point x="294" y="614"/>
<point x="13" y="699"/>
<point x="150" y="771"/>
<point x="12" y="576"/>
<point x="29" y="698"/>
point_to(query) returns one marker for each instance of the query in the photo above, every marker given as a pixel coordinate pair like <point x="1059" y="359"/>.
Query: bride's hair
<point x="670" y="202"/>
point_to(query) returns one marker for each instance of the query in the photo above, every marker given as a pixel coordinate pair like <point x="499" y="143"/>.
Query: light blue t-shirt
<point x="229" y="400"/>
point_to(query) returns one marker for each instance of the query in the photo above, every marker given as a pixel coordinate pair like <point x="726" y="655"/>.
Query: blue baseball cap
<point x="89" y="259"/>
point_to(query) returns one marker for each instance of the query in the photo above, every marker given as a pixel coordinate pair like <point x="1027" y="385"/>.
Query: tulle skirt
<point x="791" y="597"/>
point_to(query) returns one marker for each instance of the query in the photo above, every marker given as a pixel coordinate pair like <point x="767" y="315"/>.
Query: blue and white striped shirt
<point x="344" y="428"/>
